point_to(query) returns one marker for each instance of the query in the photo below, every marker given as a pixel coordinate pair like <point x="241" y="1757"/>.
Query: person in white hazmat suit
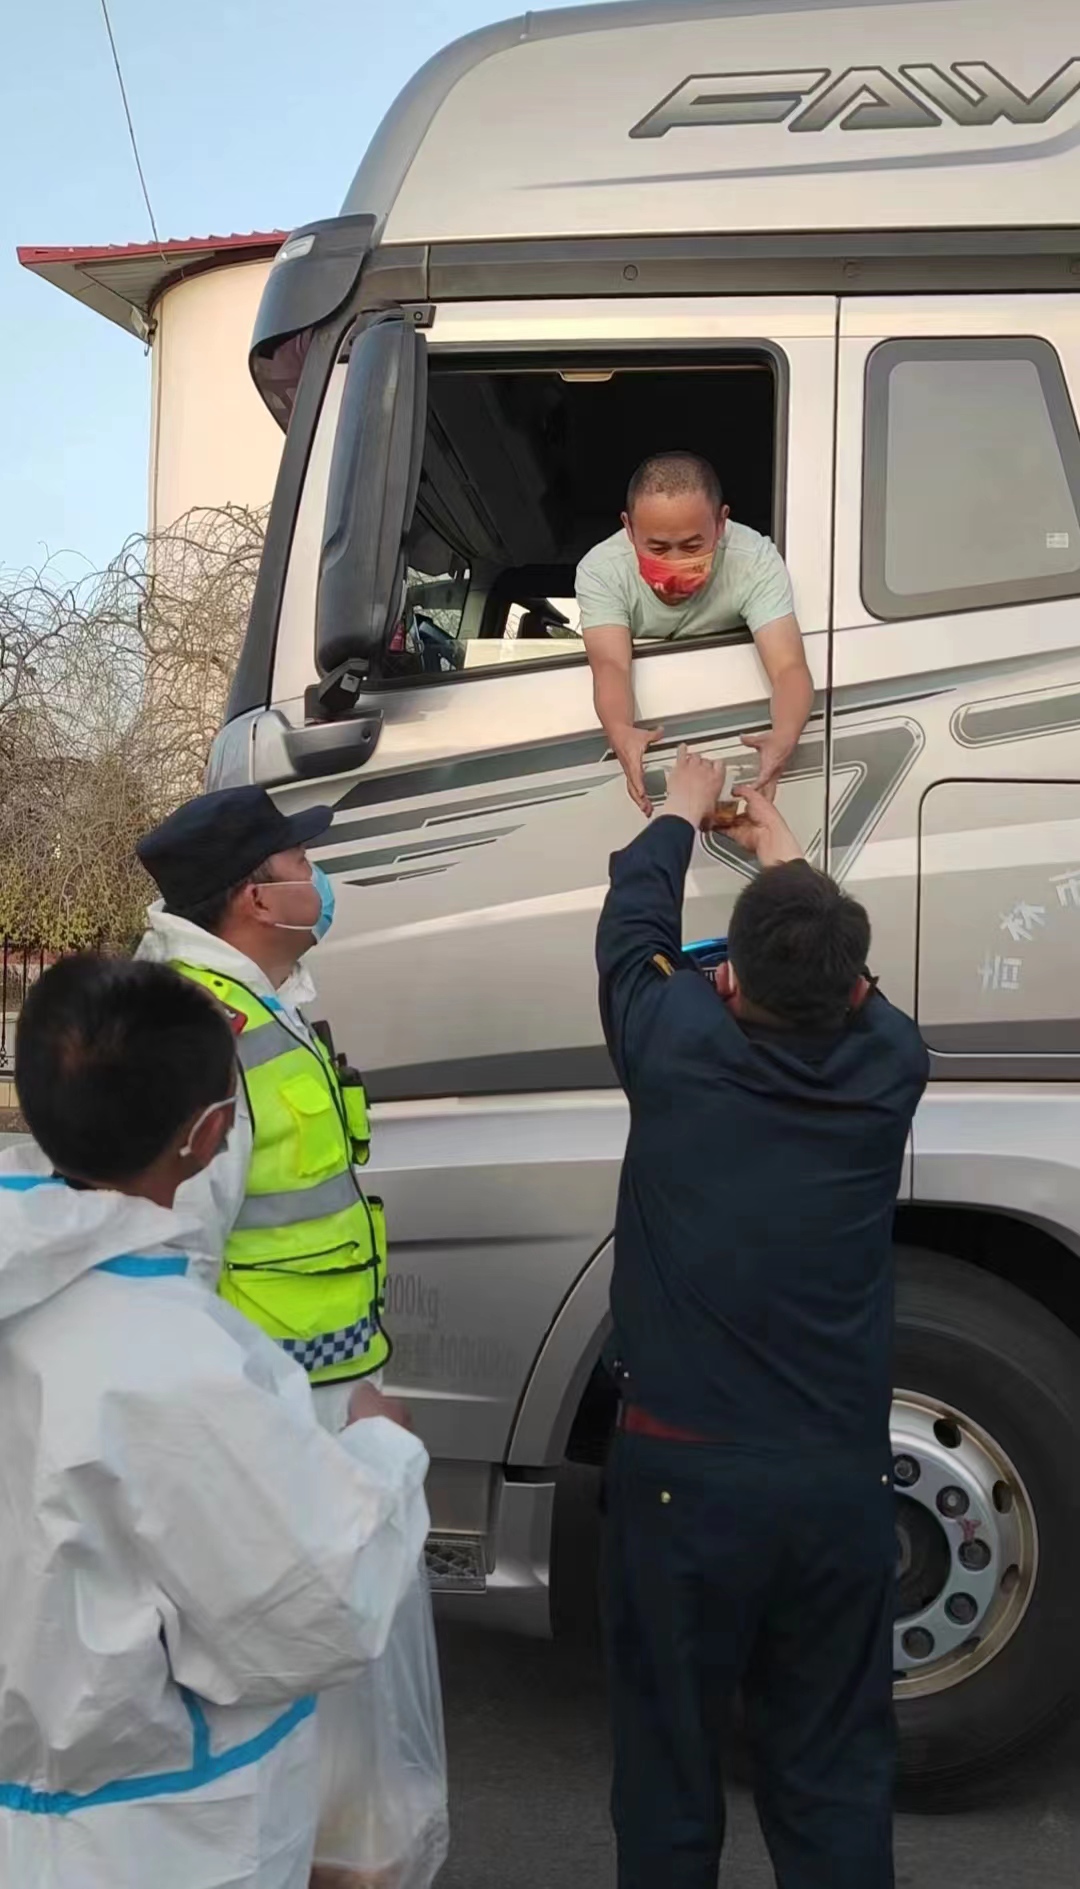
<point x="186" y="1556"/>
<point x="288" y="1234"/>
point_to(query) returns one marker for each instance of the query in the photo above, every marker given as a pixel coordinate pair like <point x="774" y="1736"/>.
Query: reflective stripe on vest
<point x="336" y="1195"/>
<point x="306" y="1258"/>
<point x="259" y="1045"/>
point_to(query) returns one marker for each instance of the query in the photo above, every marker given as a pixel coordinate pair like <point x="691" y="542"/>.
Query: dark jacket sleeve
<point x="904" y="1040"/>
<point x="639" y="938"/>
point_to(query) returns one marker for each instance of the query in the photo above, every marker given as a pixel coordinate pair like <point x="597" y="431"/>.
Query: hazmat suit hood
<point x="51" y="1234"/>
<point x="168" y="938"/>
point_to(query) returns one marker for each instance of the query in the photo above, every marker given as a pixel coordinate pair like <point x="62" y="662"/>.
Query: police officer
<point x="291" y="1239"/>
<point x="750" y="1506"/>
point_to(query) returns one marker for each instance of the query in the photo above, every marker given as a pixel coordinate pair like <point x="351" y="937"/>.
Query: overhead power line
<point x="130" y="124"/>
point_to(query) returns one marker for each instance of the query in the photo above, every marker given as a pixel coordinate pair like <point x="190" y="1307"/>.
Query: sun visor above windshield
<point x="314" y="273"/>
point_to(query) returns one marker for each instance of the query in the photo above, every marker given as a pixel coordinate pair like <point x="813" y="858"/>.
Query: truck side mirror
<point x="374" y="479"/>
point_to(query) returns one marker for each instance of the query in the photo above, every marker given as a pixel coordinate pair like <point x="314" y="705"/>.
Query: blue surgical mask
<point x="321" y="925"/>
<point x="327" y="902"/>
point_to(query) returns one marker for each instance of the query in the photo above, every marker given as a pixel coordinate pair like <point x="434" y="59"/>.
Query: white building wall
<point x="212" y="442"/>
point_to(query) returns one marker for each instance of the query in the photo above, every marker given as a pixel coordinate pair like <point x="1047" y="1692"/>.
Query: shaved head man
<point x="681" y="567"/>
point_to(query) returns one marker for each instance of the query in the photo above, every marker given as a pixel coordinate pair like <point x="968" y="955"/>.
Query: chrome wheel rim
<point x="967" y="1546"/>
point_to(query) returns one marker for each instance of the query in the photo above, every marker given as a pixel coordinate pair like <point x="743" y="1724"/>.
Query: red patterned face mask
<point x="674" y="579"/>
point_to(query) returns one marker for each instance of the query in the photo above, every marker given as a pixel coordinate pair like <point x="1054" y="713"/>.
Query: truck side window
<point x="525" y="465"/>
<point x="971" y="477"/>
<point x="454" y="623"/>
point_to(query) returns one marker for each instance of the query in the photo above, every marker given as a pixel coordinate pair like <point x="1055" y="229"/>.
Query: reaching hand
<point x="630" y="749"/>
<point x="762" y="831"/>
<point x="771" y="758"/>
<point x="366" y="1401"/>
<point x="694" y="787"/>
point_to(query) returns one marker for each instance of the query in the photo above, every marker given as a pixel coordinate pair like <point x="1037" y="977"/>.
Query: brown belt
<point x="635" y="1421"/>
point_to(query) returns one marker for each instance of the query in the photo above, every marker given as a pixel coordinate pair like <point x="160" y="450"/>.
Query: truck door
<point x="475" y="817"/>
<point x="488" y="805"/>
<point x="956" y="666"/>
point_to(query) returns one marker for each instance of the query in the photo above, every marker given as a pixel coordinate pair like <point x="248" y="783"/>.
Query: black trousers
<point x="776" y="1573"/>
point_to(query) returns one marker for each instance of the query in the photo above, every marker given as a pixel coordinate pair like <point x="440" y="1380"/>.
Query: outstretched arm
<point x="610" y="651"/>
<point x="780" y="646"/>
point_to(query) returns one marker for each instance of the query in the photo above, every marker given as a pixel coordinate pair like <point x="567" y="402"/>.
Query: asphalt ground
<point x="529" y="1772"/>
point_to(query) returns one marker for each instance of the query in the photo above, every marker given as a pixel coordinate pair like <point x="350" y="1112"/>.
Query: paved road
<point x="529" y="1779"/>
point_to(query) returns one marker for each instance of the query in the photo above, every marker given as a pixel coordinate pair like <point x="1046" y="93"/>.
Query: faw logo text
<point x="864" y="98"/>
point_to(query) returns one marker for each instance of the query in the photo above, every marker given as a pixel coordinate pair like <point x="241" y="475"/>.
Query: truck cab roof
<point x="736" y="117"/>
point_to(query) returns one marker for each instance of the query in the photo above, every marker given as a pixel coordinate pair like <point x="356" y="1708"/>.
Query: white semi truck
<point x="835" y="247"/>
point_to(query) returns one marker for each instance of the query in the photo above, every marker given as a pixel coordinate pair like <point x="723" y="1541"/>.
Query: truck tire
<point x="988" y="1398"/>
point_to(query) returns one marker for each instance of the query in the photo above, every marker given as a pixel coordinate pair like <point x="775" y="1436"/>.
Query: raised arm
<point x="639" y="939"/>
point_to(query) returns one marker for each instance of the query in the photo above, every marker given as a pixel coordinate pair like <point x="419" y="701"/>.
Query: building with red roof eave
<point x="192" y="302"/>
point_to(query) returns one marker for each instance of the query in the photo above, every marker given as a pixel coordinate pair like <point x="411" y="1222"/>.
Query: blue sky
<point x="251" y="114"/>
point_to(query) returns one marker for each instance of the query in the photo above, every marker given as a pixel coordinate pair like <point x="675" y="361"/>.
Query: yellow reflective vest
<point x="306" y="1259"/>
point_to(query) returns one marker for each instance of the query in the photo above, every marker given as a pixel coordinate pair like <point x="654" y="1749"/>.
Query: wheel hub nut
<point x="906" y="1471"/>
<point x="953" y="1502"/>
<point x="918" y="1643"/>
<point x="962" y="1609"/>
<point x="975" y="1556"/>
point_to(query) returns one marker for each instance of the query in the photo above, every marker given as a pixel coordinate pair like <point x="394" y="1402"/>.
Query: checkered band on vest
<point x="331" y="1347"/>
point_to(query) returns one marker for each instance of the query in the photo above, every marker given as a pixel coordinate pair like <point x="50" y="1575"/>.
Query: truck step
<point x="456" y="1564"/>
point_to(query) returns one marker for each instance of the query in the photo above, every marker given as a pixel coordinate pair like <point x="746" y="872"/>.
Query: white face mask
<point x="229" y="1102"/>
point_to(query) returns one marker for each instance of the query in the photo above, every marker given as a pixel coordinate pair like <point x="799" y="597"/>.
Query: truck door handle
<point x="288" y="754"/>
<point x="334" y="747"/>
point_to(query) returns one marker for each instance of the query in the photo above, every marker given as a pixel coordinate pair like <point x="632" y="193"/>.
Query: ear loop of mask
<point x="321" y="924"/>
<point x="280" y="922"/>
<point x="188" y="1150"/>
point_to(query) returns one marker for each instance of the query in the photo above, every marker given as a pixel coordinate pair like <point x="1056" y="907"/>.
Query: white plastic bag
<point x="383" y="1820"/>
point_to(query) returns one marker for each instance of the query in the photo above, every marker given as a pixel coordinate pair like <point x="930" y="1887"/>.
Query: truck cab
<point x="821" y="244"/>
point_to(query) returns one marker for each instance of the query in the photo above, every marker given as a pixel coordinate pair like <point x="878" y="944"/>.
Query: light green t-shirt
<point x="749" y="585"/>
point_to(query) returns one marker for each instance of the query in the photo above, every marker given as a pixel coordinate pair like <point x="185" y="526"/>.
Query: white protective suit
<point x="216" y="1196"/>
<point x="186" y="1559"/>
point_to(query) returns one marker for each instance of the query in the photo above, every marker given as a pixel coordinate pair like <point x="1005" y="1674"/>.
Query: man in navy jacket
<point x="750" y="1503"/>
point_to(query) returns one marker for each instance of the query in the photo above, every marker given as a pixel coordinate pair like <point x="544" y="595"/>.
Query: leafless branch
<point x="111" y="690"/>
